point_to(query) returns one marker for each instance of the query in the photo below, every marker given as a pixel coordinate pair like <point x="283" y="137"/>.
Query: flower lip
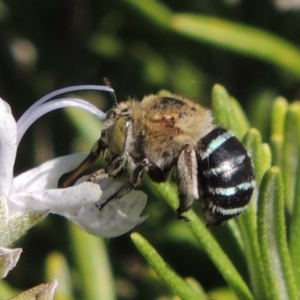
<point x="117" y="218"/>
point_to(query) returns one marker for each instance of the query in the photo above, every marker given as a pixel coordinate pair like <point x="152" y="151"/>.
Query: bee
<point x="161" y="134"/>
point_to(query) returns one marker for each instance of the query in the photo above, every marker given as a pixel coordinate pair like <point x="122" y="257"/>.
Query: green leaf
<point x="176" y="284"/>
<point x="6" y="291"/>
<point x="231" y="36"/>
<point x="239" y="38"/>
<point x="278" y="117"/>
<point x="93" y="264"/>
<point x="227" y="112"/>
<point x="266" y="154"/>
<point x="260" y="153"/>
<point x="106" y="45"/>
<point x="291" y="152"/>
<point x="247" y="224"/>
<point x="87" y="125"/>
<point x="219" y="258"/>
<point x="155" y="67"/>
<point x="248" y="220"/>
<point x="257" y="107"/>
<point x="240" y="116"/>
<point x="221" y="294"/>
<point x="57" y="267"/>
<point x="294" y="243"/>
<point x="276" y="143"/>
<point x="278" y="114"/>
<point x="156" y="12"/>
<point x="235" y="231"/>
<point x="272" y="238"/>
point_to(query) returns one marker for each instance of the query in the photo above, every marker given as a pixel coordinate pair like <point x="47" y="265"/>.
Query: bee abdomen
<point x="226" y="176"/>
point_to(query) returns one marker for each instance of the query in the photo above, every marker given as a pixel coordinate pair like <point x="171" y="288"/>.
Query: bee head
<point x="115" y="128"/>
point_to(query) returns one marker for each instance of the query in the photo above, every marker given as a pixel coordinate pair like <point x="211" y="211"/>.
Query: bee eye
<point x="111" y="114"/>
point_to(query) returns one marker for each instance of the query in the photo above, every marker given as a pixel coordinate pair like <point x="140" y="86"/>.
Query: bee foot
<point x="184" y="218"/>
<point x="101" y="206"/>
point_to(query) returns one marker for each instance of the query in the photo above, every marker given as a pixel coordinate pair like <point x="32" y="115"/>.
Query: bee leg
<point x="113" y="168"/>
<point x="135" y="180"/>
<point x="117" y="164"/>
<point x="97" y="175"/>
<point x="187" y="180"/>
<point x="69" y="178"/>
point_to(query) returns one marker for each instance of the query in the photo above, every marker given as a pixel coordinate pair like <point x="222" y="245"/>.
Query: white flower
<point x="26" y="199"/>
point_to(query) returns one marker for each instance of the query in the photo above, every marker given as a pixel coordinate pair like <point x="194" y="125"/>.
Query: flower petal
<point x="8" y="260"/>
<point x="47" y="174"/>
<point x="117" y="218"/>
<point x="3" y="212"/>
<point x="77" y="203"/>
<point x="58" y="200"/>
<point x="8" y="147"/>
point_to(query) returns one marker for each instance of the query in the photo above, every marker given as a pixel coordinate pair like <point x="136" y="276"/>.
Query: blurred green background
<point x="141" y="48"/>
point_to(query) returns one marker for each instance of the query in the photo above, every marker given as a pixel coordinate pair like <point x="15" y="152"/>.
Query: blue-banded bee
<point x="160" y="134"/>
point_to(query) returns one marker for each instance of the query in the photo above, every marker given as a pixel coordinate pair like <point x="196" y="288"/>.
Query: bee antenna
<point x="113" y="94"/>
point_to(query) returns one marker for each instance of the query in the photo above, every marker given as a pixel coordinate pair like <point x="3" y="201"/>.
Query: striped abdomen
<point x="226" y="176"/>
